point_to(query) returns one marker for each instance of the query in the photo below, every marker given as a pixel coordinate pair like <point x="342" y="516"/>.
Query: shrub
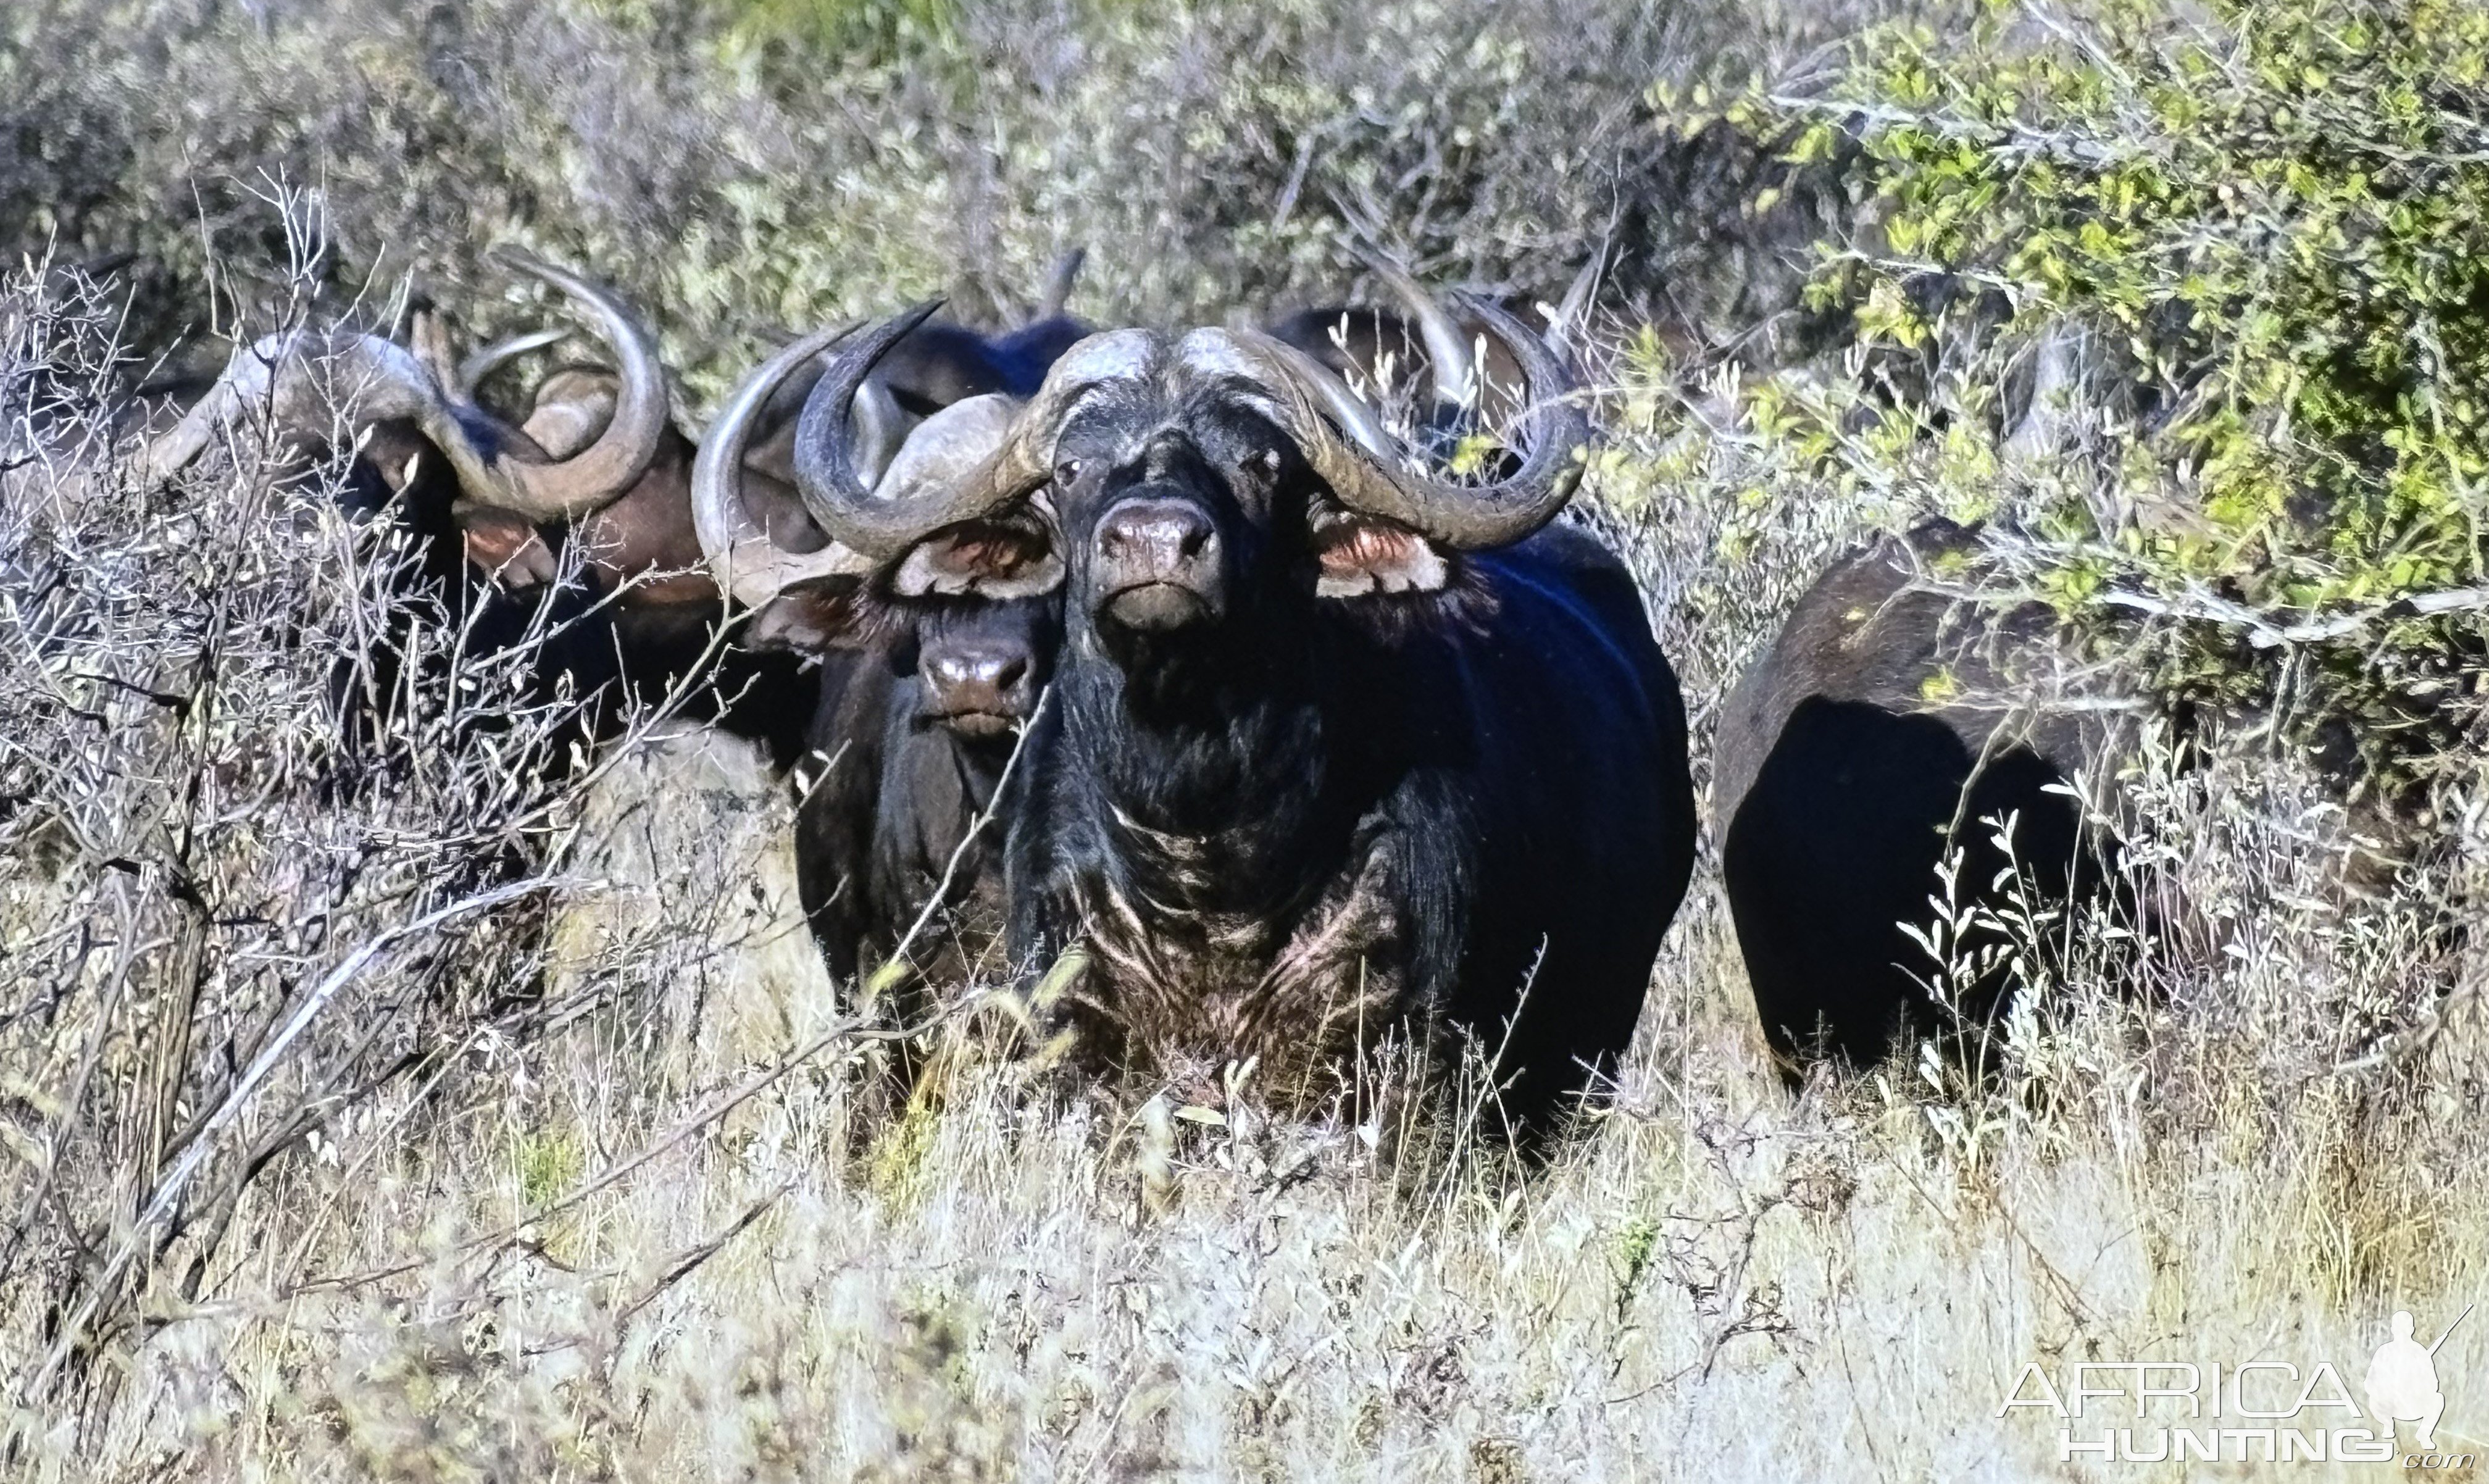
<point x="2264" y="227"/>
<point x="742" y="166"/>
<point x="274" y="836"/>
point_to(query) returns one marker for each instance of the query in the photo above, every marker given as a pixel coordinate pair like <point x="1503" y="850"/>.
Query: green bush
<point x="2268" y="224"/>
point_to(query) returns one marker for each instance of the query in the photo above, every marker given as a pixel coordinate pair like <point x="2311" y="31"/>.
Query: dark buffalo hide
<point x="1311" y="778"/>
<point x="1883" y="729"/>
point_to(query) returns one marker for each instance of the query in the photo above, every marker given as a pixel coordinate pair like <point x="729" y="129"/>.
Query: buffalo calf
<point x="930" y="659"/>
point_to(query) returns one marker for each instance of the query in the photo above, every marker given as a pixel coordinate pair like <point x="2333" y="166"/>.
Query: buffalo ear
<point x="812" y="617"/>
<point x="507" y="548"/>
<point x="989" y="560"/>
<point x="1359" y="558"/>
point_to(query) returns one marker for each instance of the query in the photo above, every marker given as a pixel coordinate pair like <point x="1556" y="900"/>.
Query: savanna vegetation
<point x="446" y="1108"/>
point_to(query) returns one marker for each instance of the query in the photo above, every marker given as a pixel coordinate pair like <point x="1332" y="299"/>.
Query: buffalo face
<point x="1195" y="520"/>
<point x="976" y="615"/>
<point x="1175" y="531"/>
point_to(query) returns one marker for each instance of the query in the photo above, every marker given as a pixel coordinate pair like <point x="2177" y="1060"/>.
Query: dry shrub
<point x="736" y="175"/>
<point x="280" y="840"/>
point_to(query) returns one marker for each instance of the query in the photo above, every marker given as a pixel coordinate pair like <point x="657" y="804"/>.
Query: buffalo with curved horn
<point x="597" y="467"/>
<point x="496" y="466"/>
<point x="931" y="653"/>
<point x="1338" y="747"/>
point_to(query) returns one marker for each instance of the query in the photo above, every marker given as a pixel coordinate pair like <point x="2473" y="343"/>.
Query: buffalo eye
<point x="1067" y="471"/>
<point x="1264" y="462"/>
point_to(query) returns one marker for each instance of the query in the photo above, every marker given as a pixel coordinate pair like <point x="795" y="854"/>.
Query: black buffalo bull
<point x="566" y="535"/>
<point x="1335" y="750"/>
<point x="1879" y="734"/>
<point x="928" y="665"/>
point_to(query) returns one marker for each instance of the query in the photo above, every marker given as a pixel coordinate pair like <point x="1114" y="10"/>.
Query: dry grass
<point x="600" y="1193"/>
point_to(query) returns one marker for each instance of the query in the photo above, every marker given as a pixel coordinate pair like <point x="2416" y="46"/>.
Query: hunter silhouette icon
<point x="2402" y="1380"/>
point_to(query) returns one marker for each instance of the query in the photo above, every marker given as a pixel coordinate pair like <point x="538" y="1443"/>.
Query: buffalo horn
<point x="1464" y="517"/>
<point x="745" y="561"/>
<point x="933" y="483"/>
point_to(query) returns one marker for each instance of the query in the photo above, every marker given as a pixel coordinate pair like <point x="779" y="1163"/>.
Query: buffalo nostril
<point x="975" y="679"/>
<point x="1158" y="565"/>
<point x="1162" y="537"/>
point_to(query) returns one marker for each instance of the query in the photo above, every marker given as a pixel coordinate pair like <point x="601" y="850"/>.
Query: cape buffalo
<point x="1335" y="749"/>
<point x="928" y="665"/>
<point x="1880" y="730"/>
<point x="597" y="471"/>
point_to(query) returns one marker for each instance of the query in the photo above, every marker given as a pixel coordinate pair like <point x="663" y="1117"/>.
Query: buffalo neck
<point x="1207" y="770"/>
